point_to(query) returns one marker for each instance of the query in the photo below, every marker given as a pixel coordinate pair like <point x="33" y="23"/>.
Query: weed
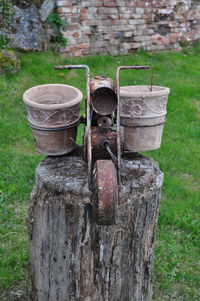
<point x="56" y="23"/>
<point x="4" y="41"/>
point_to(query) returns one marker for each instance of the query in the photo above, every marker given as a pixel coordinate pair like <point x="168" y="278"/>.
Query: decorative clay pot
<point x="53" y="114"/>
<point x="142" y="116"/>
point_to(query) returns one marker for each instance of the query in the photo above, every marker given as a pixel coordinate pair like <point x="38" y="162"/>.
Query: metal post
<point x="88" y="127"/>
<point x="136" y="67"/>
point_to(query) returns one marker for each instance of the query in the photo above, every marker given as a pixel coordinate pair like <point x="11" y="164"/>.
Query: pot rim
<point x="43" y="106"/>
<point x="163" y="91"/>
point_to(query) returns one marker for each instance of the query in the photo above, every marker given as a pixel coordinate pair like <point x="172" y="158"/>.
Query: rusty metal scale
<point x="103" y="142"/>
<point x="118" y="120"/>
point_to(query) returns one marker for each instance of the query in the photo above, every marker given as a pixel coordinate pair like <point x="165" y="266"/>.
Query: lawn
<point x="177" y="256"/>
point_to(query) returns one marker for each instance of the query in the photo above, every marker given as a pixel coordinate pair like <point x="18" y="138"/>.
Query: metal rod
<point x="88" y="127"/>
<point x="136" y="67"/>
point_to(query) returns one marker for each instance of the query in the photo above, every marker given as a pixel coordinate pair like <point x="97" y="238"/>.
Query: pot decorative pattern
<point x="56" y="118"/>
<point x="132" y="108"/>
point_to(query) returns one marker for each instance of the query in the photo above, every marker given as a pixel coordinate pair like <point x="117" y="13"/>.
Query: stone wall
<point x="121" y="26"/>
<point x="23" y="24"/>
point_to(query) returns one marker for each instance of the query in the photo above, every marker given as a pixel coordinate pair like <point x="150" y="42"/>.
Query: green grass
<point x="177" y="260"/>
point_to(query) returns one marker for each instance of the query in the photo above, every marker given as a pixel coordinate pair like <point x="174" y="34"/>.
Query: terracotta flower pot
<point x="53" y="114"/>
<point x="143" y="111"/>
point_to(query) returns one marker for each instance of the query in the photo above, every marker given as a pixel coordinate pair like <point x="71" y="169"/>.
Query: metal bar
<point x="136" y="67"/>
<point x="88" y="127"/>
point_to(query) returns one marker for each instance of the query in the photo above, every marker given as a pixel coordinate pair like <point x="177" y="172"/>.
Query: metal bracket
<point x="88" y="127"/>
<point x="136" y="67"/>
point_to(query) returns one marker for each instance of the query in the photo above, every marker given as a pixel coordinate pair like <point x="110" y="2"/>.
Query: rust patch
<point x="105" y="191"/>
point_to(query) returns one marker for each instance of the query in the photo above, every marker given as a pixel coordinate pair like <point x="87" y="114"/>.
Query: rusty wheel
<point x="105" y="191"/>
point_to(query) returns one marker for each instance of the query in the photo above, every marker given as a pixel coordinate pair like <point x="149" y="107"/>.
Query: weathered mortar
<point x="118" y="27"/>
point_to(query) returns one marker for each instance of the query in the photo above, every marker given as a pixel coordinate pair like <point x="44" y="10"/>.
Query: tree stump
<point x="74" y="259"/>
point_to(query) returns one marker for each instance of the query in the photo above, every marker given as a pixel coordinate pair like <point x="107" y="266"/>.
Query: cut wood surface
<point x="74" y="259"/>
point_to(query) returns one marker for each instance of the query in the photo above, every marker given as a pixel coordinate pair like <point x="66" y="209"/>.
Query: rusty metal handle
<point x="136" y="67"/>
<point x="89" y="148"/>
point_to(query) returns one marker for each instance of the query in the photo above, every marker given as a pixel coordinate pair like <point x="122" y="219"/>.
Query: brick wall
<point x="121" y="26"/>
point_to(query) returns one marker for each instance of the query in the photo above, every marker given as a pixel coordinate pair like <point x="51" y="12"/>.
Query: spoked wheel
<point x="105" y="191"/>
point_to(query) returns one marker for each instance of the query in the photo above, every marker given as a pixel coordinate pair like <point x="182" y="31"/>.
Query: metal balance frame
<point x="129" y="118"/>
<point x="103" y="141"/>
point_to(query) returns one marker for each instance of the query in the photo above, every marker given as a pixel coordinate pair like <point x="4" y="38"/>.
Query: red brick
<point x="83" y="17"/>
<point x="83" y="11"/>
<point x="109" y="4"/>
<point x="78" y="53"/>
<point x="87" y="31"/>
<point x="64" y="3"/>
<point x="76" y="34"/>
<point x="71" y="48"/>
<point x="83" y="45"/>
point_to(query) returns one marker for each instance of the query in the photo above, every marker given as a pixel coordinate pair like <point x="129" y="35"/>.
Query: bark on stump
<point x="74" y="259"/>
